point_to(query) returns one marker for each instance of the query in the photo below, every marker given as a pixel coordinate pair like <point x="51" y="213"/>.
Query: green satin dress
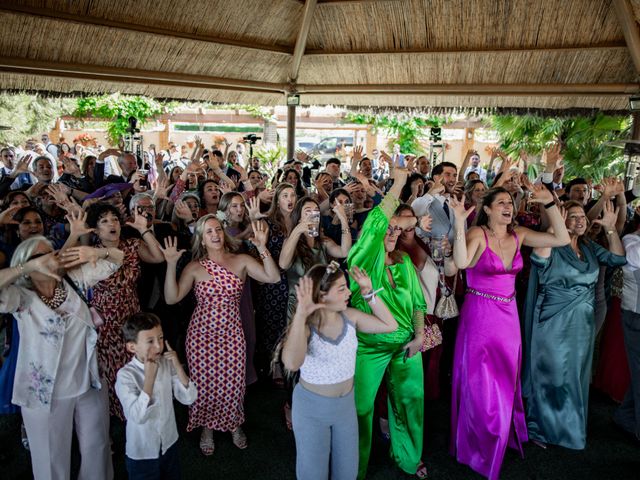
<point x="559" y="330"/>
<point x="384" y="353"/>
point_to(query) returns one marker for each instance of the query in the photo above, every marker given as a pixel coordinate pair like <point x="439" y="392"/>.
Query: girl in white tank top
<point x="321" y="342"/>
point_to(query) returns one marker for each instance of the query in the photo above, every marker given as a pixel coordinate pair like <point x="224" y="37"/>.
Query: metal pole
<point x="291" y="131"/>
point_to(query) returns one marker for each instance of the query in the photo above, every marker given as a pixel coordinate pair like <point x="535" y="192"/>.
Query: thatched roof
<point x="547" y="54"/>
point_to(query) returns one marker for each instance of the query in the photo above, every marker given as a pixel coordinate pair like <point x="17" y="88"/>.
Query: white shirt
<point x="631" y="274"/>
<point x="151" y="421"/>
<point x="57" y="357"/>
<point x="479" y="170"/>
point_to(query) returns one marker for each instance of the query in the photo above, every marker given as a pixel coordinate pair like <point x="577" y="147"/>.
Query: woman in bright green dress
<point x="394" y="353"/>
<point x="560" y="329"/>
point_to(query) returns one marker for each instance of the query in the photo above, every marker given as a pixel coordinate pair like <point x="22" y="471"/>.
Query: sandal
<point x="287" y="417"/>
<point x="207" y="447"/>
<point x="421" y="472"/>
<point x="239" y="438"/>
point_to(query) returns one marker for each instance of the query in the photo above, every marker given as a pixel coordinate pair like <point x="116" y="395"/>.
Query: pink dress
<point x="216" y="351"/>
<point x="487" y="413"/>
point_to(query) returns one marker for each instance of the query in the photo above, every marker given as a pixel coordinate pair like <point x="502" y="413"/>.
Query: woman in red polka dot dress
<point x="216" y="349"/>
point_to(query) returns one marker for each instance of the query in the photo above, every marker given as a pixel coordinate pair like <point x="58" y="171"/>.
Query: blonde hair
<point x="198" y="250"/>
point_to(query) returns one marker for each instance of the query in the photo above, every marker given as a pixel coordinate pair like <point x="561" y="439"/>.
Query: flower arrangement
<point x="85" y="140"/>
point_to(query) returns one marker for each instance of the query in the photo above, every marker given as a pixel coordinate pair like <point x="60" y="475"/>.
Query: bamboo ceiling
<point x="547" y="54"/>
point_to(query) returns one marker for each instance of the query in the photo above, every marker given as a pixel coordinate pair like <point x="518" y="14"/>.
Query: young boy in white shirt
<point x="146" y="386"/>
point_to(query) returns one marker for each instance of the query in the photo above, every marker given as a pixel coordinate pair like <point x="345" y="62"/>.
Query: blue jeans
<point x="165" y="467"/>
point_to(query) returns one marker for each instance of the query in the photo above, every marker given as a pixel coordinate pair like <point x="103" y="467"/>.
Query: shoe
<point x="287" y="417"/>
<point x="207" y="446"/>
<point x="421" y="472"/>
<point x="25" y="439"/>
<point x="239" y="438"/>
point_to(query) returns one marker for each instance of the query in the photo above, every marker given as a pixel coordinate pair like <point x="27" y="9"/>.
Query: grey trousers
<point x="50" y="434"/>
<point x="326" y="432"/>
<point x="627" y="415"/>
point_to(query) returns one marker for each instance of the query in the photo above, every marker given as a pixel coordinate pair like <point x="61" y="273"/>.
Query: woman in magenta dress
<point x="487" y="413"/>
<point x="216" y="351"/>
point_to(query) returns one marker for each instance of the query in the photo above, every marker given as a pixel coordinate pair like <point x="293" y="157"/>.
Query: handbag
<point x="96" y="319"/>
<point x="432" y="334"/>
<point x="447" y="307"/>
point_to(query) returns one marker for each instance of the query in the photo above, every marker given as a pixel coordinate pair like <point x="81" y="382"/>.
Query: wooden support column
<point x="627" y="20"/>
<point x="165" y="134"/>
<point x="291" y="131"/>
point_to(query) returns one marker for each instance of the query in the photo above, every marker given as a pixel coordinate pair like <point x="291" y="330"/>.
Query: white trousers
<point x="50" y="434"/>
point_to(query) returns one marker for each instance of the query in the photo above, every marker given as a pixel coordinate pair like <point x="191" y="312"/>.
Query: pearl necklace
<point x="59" y="296"/>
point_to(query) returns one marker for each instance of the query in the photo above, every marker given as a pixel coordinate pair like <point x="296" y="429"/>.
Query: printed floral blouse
<point x="44" y="355"/>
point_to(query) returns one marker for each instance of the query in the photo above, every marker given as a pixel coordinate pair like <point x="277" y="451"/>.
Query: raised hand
<point x="437" y="187"/>
<point x="171" y="355"/>
<point x="260" y="234"/>
<point x="357" y="153"/>
<point x="183" y="212"/>
<point x="304" y="293"/>
<point x="362" y="279"/>
<point x="609" y="216"/>
<point x="48" y="265"/>
<point x="459" y="210"/>
<point x="425" y="222"/>
<point x="170" y="251"/>
<point x="6" y="217"/>
<point x="78" y="223"/>
<point x="162" y="188"/>
<point x="70" y="166"/>
<point x="59" y="193"/>
<point x="75" y="256"/>
<point x="253" y="207"/>
<point x="22" y="166"/>
<point x="541" y="194"/>
<point x="138" y="221"/>
<point x="553" y="157"/>
<point x="338" y="209"/>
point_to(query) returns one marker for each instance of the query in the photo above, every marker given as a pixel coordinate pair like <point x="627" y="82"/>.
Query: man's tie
<point x="445" y="207"/>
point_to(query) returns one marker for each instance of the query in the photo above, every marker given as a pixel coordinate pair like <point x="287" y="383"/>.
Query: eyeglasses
<point x="391" y="230"/>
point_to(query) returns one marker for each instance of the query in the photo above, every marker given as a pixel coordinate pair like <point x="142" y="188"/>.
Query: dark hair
<point x="21" y="213"/>
<point x="406" y="189"/>
<point x="98" y="210"/>
<point x="201" y="190"/>
<point x="576" y="181"/>
<point x="300" y="192"/>
<point x="85" y="163"/>
<point x="404" y="207"/>
<point x="217" y="153"/>
<point x="11" y="195"/>
<point x="274" y="214"/>
<point x="336" y="192"/>
<point x="439" y="168"/>
<point x="487" y="200"/>
<point x="333" y="160"/>
<point x="171" y="180"/>
<point x="469" y="187"/>
<point x="137" y="323"/>
<point x="303" y="251"/>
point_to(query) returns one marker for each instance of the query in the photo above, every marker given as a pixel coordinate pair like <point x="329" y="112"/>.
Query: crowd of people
<point x="362" y="288"/>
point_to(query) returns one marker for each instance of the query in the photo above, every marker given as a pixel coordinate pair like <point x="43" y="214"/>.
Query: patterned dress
<point x="271" y="300"/>
<point x="116" y="298"/>
<point x="216" y="351"/>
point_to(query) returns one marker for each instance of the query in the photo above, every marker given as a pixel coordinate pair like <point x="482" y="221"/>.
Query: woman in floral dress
<point x="216" y="351"/>
<point x="116" y="297"/>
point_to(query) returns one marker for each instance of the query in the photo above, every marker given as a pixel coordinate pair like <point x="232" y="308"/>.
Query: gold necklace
<point x="493" y="234"/>
<point x="58" y="298"/>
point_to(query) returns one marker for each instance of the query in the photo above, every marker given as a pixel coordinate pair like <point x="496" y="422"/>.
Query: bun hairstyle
<point x="323" y="277"/>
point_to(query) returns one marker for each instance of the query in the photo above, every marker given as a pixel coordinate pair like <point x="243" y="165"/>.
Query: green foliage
<point x="585" y="151"/>
<point x="405" y="130"/>
<point x="270" y="156"/>
<point x="29" y="115"/>
<point x="118" y="108"/>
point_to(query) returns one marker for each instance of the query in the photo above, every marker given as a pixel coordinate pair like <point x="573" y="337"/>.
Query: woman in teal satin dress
<point x="560" y="329"/>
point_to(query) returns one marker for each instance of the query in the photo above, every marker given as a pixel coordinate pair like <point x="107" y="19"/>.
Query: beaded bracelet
<point x="345" y="231"/>
<point x="265" y="254"/>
